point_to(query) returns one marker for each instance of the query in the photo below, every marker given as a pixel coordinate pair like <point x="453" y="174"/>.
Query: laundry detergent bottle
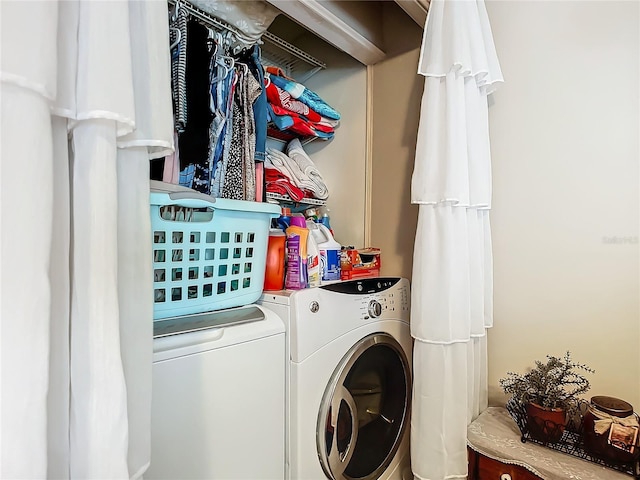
<point x="329" y="253"/>
<point x="274" y="269"/>
<point x="285" y="219"/>
<point x="314" y="272"/>
<point x="324" y="219"/>
<point x="297" y="233"/>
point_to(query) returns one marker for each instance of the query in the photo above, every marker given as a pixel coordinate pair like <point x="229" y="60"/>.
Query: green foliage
<point x="554" y="384"/>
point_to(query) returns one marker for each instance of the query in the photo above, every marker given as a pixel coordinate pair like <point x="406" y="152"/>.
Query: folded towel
<point x="306" y="96"/>
<point x="282" y="98"/>
<point x="281" y="162"/>
<point x="290" y="168"/>
<point x="276" y="182"/>
<point x="327" y="122"/>
<point x="286" y="120"/>
<point x="299" y="156"/>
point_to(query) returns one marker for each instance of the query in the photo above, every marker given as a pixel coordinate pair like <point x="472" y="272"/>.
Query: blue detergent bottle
<point x="285" y="219"/>
<point x="324" y="220"/>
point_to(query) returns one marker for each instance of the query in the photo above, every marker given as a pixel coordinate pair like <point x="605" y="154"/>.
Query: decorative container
<point x="611" y="429"/>
<point x="572" y="441"/>
<point x="545" y="424"/>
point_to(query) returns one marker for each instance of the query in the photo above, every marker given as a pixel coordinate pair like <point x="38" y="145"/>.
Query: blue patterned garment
<point x="186" y="176"/>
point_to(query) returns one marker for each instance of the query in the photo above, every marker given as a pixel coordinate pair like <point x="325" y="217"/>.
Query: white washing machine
<point x="218" y="405"/>
<point x="348" y="380"/>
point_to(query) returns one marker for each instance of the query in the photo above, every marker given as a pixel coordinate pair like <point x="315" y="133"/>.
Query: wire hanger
<point x="178" y="37"/>
<point x="174" y="14"/>
<point x="243" y="66"/>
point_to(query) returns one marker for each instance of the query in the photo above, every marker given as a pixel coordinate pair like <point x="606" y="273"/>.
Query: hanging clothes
<point x="222" y="147"/>
<point x="222" y="129"/>
<point x="232" y="187"/>
<point x="222" y="75"/>
<point x="194" y="141"/>
<point x="239" y="179"/>
<point x="253" y="59"/>
<point x="178" y="35"/>
<point x="252" y="91"/>
<point x="171" y="170"/>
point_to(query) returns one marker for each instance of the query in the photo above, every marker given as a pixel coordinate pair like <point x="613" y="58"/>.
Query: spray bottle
<point x="324" y="218"/>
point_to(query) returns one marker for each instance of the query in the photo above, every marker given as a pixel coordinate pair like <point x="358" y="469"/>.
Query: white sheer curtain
<point x="452" y="267"/>
<point x="86" y="102"/>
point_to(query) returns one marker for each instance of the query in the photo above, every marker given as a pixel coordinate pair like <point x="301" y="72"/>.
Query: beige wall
<point x="393" y="111"/>
<point x="565" y="144"/>
<point x="342" y="160"/>
<point x="396" y="95"/>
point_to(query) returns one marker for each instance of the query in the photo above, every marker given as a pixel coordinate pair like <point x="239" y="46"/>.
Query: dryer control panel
<point x="320" y="315"/>
<point x="366" y="285"/>
<point x="385" y="297"/>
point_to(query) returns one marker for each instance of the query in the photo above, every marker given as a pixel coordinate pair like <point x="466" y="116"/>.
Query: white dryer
<point x="348" y="380"/>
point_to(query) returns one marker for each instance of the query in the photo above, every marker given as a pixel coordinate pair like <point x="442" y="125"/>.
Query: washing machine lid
<point x="221" y="329"/>
<point x="204" y="321"/>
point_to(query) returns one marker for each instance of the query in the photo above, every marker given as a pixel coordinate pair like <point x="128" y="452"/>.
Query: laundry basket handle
<point x="182" y="199"/>
<point x="201" y="200"/>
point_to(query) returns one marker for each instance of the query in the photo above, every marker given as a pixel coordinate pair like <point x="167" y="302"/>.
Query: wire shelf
<point x="287" y="199"/>
<point x="570" y="441"/>
<point x="276" y="52"/>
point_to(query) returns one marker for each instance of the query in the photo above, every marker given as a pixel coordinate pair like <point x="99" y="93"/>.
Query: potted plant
<point x="549" y="393"/>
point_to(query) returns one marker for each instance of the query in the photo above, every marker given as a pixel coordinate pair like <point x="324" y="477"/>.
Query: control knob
<point x="375" y="309"/>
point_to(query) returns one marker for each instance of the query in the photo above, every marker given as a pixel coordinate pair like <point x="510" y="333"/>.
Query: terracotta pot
<point x="545" y="424"/>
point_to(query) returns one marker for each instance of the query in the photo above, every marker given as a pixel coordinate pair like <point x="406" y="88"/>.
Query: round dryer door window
<point x="365" y="410"/>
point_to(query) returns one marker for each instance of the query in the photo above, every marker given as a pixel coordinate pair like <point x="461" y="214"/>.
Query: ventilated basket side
<point x="208" y="254"/>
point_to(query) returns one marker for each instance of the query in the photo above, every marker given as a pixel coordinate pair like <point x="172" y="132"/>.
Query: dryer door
<point x="365" y="410"/>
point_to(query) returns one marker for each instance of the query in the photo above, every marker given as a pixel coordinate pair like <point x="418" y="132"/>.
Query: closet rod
<point x="212" y="21"/>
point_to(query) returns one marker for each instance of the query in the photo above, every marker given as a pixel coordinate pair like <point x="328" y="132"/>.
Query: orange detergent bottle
<point x="274" y="270"/>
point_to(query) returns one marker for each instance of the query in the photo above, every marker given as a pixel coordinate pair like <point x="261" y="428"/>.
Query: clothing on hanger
<point x="220" y="107"/>
<point x="253" y="59"/>
<point x="179" y="66"/>
<point x="194" y="141"/>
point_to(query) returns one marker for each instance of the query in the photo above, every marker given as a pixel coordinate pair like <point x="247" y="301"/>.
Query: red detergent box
<point x="360" y="263"/>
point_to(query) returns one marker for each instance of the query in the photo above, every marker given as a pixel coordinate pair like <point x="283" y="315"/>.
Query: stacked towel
<point x="308" y="168"/>
<point x="286" y="166"/>
<point x="295" y="109"/>
<point x="283" y="99"/>
<point x="277" y="182"/>
<point x="299" y="168"/>
<point x="287" y="120"/>
<point x="306" y="96"/>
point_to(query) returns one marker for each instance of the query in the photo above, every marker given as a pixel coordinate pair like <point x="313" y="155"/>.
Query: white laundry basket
<point x="208" y="253"/>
